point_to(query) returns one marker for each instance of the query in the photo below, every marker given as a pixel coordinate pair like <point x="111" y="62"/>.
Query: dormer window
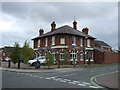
<point x="73" y="40"/>
<point x="38" y="43"/>
<point x="53" y="40"/>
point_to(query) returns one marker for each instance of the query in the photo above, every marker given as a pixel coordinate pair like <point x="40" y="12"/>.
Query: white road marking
<point x="35" y="76"/>
<point x="71" y="82"/>
<point x="67" y="80"/>
<point x="86" y="83"/>
<point x="40" y="77"/>
<point x="30" y="75"/>
<point x="26" y="74"/>
<point x="76" y="81"/>
<point x="48" y="78"/>
<point x="82" y="84"/>
<point x="52" y="77"/>
<point x="62" y="81"/>
<point x="113" y="68"/>
<point x="93" y="87"/>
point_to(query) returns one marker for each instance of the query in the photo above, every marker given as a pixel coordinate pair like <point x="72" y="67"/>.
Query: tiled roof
<point x="101" y="50"/>
<point x="65" y="30"/>
<point x="101" y="43"/>
<point x="10" y="49"/>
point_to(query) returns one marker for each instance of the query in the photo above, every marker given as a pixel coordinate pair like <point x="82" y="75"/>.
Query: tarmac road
<point x="71" y="79"/>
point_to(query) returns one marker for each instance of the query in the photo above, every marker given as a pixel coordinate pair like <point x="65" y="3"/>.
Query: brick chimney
<point x="41" y="31"/>
<point x="85" y="30"/>
<point x="75" y="25"/>
<point x="53" y="25"/>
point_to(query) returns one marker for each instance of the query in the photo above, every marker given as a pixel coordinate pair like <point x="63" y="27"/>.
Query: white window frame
<point x="81" y="41"/>
<point x="88" y="42"/>
<point x="81" y="55"/>
<point x="91" y="59"/>
<point x="62" y="56"/>
<point x="46" y="41"/>
<point x="53" y="40"/>
<point x="73" y="55"/>
<point x="39" y="43"/>
<point x="62" y="40"/>
<point x="54" y="55"/>
<point x="73" y="40"/>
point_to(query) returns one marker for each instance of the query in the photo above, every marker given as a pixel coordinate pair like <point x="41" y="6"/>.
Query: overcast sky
<point x="22" y="20"/>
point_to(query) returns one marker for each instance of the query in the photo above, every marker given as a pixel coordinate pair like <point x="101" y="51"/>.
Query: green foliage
<point x="15" y="55"/>
<point x="27" y="52"/>
<point x="49" y="59"/>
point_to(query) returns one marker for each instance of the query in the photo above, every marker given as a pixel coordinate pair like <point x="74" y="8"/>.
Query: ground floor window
<point x="54" y="55"/>
<point x="73" y="55"/>
<point x="81" y="56"/>
<point x="91" y="56"/>
<point x="61" y="56"/>
<point x="86" y="56"/>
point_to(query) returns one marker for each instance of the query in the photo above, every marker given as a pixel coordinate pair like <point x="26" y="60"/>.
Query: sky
<point x="21" y="21"/>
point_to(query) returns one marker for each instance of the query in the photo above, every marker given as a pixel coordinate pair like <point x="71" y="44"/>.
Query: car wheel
<point x="33" y="64"/>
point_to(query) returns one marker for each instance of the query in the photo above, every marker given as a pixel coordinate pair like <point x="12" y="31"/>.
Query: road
<point x="70" y="79"/>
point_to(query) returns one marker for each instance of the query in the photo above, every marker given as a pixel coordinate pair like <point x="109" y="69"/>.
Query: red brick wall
<point x="68" y="40"/>
<point x="98" y="57"/>
<point x="105" y="57"/>
<point x="110" y="57"/>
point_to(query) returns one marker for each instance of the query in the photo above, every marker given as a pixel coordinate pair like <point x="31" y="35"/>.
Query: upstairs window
<point x="81" y="41"/>
<point x="38" y="43"/>
<point x="53" y="40"/>
<point x="62" y="40"/>
<point x="73" y="40"/>
<point x="46" y="41"/>
<point x="88" y="42"/>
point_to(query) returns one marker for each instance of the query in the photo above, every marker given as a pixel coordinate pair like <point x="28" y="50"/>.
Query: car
<point x="7" y="59"/>
<point x="41" y="59"/>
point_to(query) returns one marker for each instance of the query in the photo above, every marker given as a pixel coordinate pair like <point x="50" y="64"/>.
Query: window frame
<point x="81" y="41"/>
<point x="46" y="41"/>
<point x="39" y="42"/>
<point x="62" y="40"/>
<point x="73" y="40"/>
<point x="88" y="42"/>
<point x="62" y="56"/>
<point x="53" y="40"/>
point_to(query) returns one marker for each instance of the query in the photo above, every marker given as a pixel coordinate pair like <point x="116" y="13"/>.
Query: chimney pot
<point x="53" y="26"/>
<point x="41" y="31"/>
<point x="85" y="30"/>
<point x="75" y="25"/>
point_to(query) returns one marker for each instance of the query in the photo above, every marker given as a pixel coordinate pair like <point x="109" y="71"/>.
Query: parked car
<point x="7" y="59"/>
<point x="41" y="59"/>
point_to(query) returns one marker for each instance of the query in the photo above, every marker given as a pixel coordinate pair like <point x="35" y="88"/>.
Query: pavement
<point x="108" y="81"/>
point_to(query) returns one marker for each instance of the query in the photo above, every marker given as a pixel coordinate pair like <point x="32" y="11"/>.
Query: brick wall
<point x="110" y="57"/>
<point x="105" y="57"/>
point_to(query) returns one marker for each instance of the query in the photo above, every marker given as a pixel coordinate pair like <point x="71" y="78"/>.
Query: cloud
<point x="22" y="20"/>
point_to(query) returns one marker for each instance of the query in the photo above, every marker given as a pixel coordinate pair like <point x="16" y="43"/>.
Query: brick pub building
<point x="79" y="45"/>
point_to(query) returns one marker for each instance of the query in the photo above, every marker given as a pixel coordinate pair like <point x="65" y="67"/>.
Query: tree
<point x="27" y="52"/>
<point x="49" y="59"/>
<point x="15" y="55"/>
